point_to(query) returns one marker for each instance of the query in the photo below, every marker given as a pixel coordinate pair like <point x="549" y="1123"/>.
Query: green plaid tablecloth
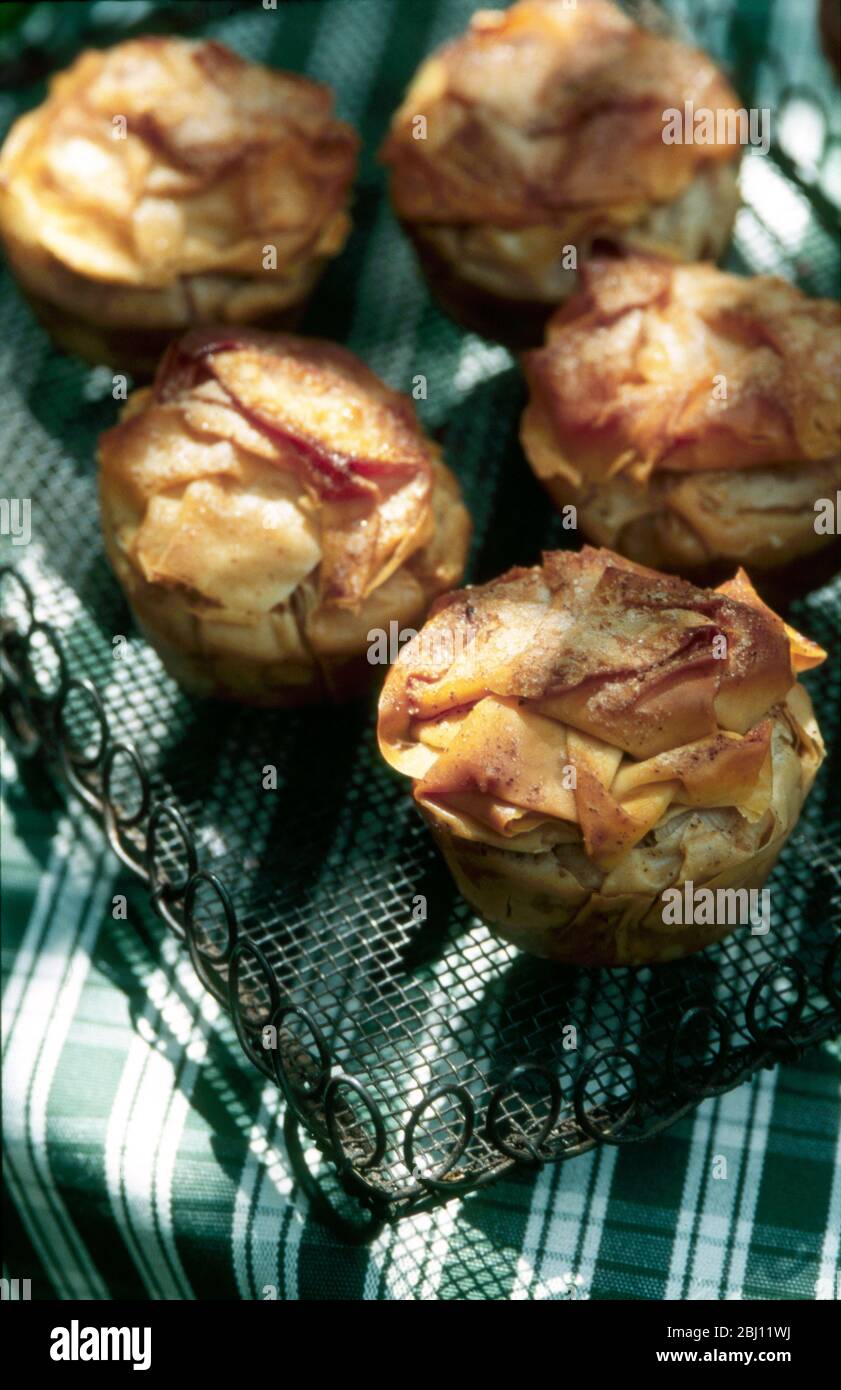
<point x="145" y="1159"/>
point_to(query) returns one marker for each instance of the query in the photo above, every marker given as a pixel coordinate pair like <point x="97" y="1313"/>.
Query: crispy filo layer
<point x="166" y="181"/>
<point x="690" y="415"/>
<point x="587" y="732"/>
<point x="269" y="501"/>
<point x="544" y="130"/>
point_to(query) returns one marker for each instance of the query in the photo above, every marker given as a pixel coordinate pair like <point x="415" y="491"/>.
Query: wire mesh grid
<point x="424" y="1054"/>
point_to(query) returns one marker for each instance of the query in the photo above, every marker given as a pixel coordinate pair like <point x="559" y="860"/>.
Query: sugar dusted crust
<point x="583" y="734"/>
<point x="266" y="504"/>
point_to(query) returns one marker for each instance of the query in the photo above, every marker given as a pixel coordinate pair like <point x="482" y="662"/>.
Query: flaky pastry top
<point x="651" y="365"/>
<point x="544" y="113"/>
<point x="655" y="693"/>
<point x="163" y="156"/>
<point x="256" y="457"/>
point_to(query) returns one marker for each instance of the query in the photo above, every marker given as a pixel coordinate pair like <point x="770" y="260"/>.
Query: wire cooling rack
<point x="424" y="1056"/>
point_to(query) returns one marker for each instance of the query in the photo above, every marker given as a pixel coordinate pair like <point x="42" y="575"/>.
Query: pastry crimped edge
<point x="312" y="646"/>
<point x="548" y="895"/>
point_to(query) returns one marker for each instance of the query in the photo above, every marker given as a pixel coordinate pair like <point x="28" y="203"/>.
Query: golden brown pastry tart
<point x="165" y="183"/>
<point x="586" y="734"/>
<point x="539" y="134"/>
<point x="265" y="505"/>
<point x="693" y="419"/>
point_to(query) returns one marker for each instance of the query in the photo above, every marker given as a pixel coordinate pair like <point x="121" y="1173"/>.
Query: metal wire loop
<point x="30" y="682"/>
<point x="73" y="758"/>
<point x="209" y="965"/>
<point x="612" y="1132"/>
<point x="777" y="1036"/>
<point x="213" y="957"/>
<point x="349" y="1232"/>
<point x="525" y="1146"/>
<point x="163" y="887"/>
<point x="12" y="572"/>
<point x="246" y="1027"/>
<point x="75" y="764"/>
<point x="115" y="822"/>
<point x="295" y="1090"/>
<point x="342" y="1158"/>
<point x="127" y="750"/>
<point x="676" y="1075"/>
<point x="465" y="1100"/>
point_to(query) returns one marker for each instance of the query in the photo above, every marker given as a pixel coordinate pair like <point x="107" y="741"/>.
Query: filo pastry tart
<point x="544" y="136"/>
<point x="693" y="418"/>
<point x="265" y="505"/>
<point x="164" y="183"/>
<point x="584" y="734"/>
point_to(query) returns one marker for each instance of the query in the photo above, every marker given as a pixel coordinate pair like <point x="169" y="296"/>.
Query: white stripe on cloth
<point x="702" y="1124"/>
<point x="566" y="1200"/>
<point x="147" y="1119"/>
<point x="828" y="1282"/>
<point x="39" y="1004"/>
<point x="733" y="1276"/>
<point x="262" y="1251"/>
<point x="408" y="1260"/>
<point x="734" y="1126"/>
